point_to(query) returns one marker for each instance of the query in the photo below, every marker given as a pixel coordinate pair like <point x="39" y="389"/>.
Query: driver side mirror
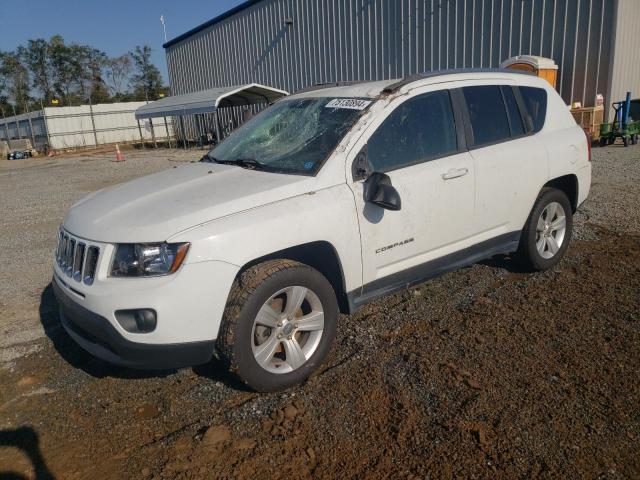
<point x="379" y="191"/>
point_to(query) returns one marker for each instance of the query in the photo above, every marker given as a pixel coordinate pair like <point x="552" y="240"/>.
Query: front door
<point x="418" y="147"/>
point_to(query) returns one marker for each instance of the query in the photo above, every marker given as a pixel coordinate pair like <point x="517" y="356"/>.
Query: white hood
<point x="155" y="207"/>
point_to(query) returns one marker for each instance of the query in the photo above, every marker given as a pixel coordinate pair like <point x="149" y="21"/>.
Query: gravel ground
<point x="615" y="192"/>
<point x="486" y="372"/>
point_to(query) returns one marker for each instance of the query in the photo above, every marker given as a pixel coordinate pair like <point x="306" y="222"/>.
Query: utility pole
<point x="15" y="116"/>
<point x="93" y="122"/>
<point x="28" y="114"/>
<point x="6" y="126"/>
<point x="164" y="28"/>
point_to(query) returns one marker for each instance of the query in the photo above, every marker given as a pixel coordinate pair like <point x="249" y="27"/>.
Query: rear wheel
<point x="279" y="324"/>
<point x="547" y="233"/>
<point x="625" y="141"/>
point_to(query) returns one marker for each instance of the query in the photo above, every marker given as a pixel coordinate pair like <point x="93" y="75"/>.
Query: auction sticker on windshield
<point x="350" y="103"/>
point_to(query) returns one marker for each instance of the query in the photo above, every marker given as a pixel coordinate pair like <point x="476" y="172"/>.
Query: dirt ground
<point x="487" y="372"/>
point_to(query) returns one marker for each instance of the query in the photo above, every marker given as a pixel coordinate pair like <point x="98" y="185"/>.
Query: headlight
<point x="147" y="259"/>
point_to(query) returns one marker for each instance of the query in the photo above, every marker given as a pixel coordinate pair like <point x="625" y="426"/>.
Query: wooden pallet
<point x="590" y="119"/>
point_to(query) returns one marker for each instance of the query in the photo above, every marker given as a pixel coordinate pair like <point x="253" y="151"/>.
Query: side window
<point x="487" y="114"/>
<point x="420" y="129"/>
<point x="515" y="119"/>
<point x="535" y="101"/>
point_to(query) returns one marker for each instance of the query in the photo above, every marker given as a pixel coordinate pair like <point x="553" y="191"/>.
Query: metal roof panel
<point x="207" y="101"/>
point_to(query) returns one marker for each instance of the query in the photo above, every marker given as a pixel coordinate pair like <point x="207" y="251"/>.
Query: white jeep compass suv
<point x="324" y="201"/>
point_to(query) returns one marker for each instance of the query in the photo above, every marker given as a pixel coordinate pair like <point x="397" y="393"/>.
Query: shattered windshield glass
<point x="292" y="136"/>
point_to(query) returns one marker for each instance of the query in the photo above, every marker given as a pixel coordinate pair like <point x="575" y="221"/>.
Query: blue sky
<point x="114" y="26"/>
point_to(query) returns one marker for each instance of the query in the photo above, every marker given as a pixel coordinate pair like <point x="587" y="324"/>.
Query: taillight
<point x="588" y="135"/>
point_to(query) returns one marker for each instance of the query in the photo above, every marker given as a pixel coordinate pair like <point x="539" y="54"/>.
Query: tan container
<point x="590" y="119"/>
<point x="542" y="67"/>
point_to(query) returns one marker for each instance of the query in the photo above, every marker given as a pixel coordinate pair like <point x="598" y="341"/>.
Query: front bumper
<point x="99" y="337"/>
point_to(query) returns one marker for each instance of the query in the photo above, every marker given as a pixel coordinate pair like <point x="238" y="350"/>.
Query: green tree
<point x="147" y="81"/>
<point x="4" y="89"/>
<point x="36" y="57"/>
<point x="77" y="72"/>
<point x="87" y="63"/>
<point x="63" y="72"/>
<point x="4" y="80"/>
<point x="15" y="80"/>
<point x="117" y="72"/>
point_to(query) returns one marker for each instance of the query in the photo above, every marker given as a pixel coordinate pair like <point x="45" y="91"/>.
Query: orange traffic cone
<point x="119" y="154"/>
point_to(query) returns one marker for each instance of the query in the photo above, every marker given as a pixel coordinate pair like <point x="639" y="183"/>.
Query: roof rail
<point x="438" y="73"/>
<point x="413" y="78"/>
<point x="321" y="86"/>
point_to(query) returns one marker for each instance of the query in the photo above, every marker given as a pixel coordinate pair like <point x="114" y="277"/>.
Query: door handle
<point x="455" y="173"/>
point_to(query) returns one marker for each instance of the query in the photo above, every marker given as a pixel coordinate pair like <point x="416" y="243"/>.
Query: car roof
<point x="346" y="89"/>
<point x="377" y="88"/>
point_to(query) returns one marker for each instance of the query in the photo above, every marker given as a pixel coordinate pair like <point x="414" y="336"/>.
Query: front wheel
<point x="279" y="324"/>
<point x="547" y="233"/>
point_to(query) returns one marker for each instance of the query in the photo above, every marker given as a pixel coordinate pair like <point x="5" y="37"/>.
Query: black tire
<point x="528" y="254"/>
<point x="249" y="292"/>
<point x="603" y="141"/>
<point x="612" y="140"/>
<point x="625" y="141"/>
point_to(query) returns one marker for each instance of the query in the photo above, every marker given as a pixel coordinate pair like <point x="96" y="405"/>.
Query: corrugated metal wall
<point x="345" y="40"/>
<point x="625" y="71"/>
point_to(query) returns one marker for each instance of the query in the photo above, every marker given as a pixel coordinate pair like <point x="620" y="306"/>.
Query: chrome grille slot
<point x="71" y="246"/>
<point x="59" y="246"/>
<point x="78" y="260"/>
<point x="90" y="265"/>
<point x="63" y="251"/>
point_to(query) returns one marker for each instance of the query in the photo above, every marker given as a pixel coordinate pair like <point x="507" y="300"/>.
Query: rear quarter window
<point x="535" y="102"/>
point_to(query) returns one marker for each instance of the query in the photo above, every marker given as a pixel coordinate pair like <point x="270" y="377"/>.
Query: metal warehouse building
<point x="291" y="44"/>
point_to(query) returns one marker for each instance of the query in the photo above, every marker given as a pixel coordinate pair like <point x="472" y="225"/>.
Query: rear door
<point x="511" y="164"/>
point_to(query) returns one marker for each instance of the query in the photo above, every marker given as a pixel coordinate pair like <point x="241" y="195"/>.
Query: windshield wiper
<point x="209" y="158"/>
<point x="249" y="163"/>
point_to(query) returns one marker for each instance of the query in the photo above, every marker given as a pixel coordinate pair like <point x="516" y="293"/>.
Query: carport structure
<point x="207" y="102"/>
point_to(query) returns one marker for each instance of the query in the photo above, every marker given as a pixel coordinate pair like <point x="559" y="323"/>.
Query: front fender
<point x="324" y="215"/>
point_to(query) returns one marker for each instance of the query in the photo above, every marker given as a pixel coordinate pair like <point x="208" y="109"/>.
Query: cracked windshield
<point x="292" y="136"/>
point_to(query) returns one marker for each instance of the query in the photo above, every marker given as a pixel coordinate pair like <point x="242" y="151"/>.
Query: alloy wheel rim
<point x="287" y="329"/>
<point x="550" y="230"/>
